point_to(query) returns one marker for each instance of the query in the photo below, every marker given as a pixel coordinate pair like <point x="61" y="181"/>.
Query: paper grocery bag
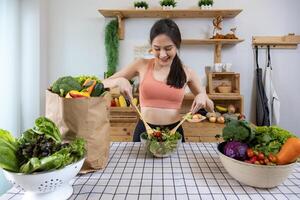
<point x="86" y="118"/>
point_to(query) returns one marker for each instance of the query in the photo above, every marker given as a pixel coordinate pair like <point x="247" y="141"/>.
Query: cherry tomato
<point x="250" y="153"/>
<point x="253" y="159"/>
<point x="261" y="156"/>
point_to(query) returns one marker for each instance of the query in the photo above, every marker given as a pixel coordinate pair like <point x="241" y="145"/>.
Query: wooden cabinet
<point x="202" y="132"/>
<point x="123" y="121"/>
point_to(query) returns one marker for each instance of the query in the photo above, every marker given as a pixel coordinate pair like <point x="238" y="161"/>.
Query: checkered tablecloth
<point x="194" y="172"/>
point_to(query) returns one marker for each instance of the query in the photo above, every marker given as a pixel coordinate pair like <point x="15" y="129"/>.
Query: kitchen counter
<point x="194" y="172"/>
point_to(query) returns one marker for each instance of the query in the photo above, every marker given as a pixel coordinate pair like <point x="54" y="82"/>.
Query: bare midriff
<point x="160" y="116"/>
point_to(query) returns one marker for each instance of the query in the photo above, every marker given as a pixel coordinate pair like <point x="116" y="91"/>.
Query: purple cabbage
<point x="236" y="150"/>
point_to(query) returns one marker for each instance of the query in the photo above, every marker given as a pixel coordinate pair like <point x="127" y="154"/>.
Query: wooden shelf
<point x="210" y="41"/>
<point x="237" y="100"/>
<point x="122" y="14"/>
<point x="217" y="42"/>
<point x="176" y="13"/>
<point x="190" y="96"/>
<point x="289" y="41"/>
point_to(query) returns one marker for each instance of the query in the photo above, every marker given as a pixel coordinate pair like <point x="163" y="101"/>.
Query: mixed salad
<point x="161" y="142"/>
<point x="262" y="145"/>
<point x="38" y="149"/>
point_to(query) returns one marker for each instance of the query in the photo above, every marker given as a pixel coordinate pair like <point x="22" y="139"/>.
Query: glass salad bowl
<point x="46" y="185"/>
<point x="161" y="146"/>
<point x="261" y="176"/>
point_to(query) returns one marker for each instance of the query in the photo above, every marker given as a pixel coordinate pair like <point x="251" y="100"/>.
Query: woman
<point x="162" y="81"/>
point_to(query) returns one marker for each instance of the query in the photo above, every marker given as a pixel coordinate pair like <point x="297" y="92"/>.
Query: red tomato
<point x="250" y="153"/>
<point x="261" y="156"/>
<point x="253" y="159"/>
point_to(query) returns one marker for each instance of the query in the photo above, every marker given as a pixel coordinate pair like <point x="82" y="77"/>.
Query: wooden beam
<point x="217" y="55"/>
<point x="210" y="41"/>
<point x="175" y="13"/>
<point x="121" y="29"/>
<point x="289" y="41"/>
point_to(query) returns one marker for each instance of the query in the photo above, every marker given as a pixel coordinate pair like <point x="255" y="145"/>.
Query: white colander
<point x="46" y="185"/>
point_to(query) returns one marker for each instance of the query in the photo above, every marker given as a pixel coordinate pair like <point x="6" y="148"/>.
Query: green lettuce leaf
<point x="8" y="148"/>
<point x="46" y="126"/>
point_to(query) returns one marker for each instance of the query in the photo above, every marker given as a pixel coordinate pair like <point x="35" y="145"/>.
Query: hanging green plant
<point x="111" y="47"/>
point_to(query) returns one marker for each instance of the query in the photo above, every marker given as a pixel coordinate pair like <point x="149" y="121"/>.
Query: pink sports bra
<point x="157" y="94"/>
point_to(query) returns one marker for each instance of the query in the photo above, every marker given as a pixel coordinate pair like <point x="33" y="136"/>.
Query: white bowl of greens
<point x="46" y="185"/>
<point x="39" y="163"/>
<point x="161" y="143"/>
<point x="250" y="153"/>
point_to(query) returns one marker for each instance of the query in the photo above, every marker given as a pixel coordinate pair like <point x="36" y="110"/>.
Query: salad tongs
<point x="173" y="131"/>
<point x="149" y="130"/>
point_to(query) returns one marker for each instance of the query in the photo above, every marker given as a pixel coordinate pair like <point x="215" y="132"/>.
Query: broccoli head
<point x="65" y="84"/>
<point x="238" y="130"/>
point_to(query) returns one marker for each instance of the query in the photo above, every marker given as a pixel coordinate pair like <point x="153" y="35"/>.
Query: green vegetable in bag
<point x="98" y="90"/>
<point x="64" y="85"/>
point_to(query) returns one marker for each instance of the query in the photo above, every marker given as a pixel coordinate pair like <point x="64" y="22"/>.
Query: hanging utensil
<point x="273" y="99"/>
<point x="149" y="130"/>
<point x="262" y="110"/>
<point x="173" y="131"/>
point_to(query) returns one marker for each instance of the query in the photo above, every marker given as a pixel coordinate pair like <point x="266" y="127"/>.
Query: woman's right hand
<point x="125" y="87"/>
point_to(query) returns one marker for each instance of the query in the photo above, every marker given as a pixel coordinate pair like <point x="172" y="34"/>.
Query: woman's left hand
<point x="202" y="101"/>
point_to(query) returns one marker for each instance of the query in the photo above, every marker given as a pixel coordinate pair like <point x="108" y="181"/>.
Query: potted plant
<point x="141" y="5"/>
<point x="205" y="4"/>
<point x="168" y="4"/>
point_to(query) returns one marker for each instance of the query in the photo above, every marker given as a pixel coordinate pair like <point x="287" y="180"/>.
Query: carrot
<point x="90" y="84"/>
<point x="289" y="151"/>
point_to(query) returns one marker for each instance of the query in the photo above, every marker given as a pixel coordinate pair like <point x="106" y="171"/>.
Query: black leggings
<point x="140" y="128"/>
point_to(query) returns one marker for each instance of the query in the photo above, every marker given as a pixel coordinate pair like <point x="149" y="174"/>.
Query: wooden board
<point x="210" y="41"/>
<point x="175" y="13"/>
<point x="124" y="129"/>
<point x="202" y="129"/>
<point x="289" y="41"/>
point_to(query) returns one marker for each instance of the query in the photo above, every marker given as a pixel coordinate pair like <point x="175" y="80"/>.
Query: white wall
<point x="76" y="44"/>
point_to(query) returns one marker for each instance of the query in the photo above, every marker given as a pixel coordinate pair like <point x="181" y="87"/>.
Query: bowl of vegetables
<point x="161" y="143"/>
<point x="39" y="162"/>
<point x="261" y="157"/>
